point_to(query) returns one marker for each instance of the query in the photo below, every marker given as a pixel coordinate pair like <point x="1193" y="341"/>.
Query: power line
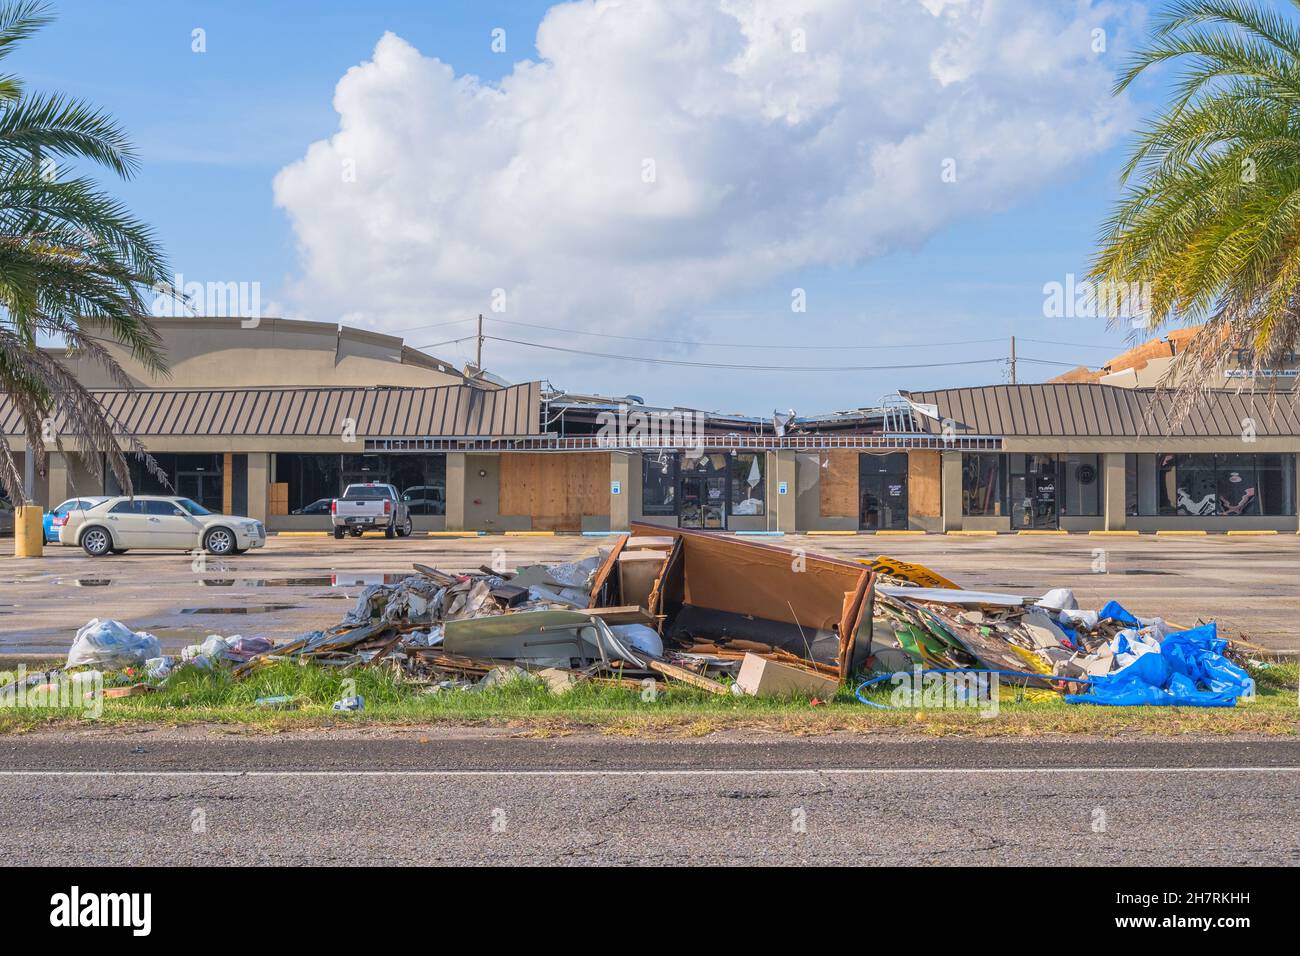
<point x="1073" y="345"/>
<point x="436" y="325"/>
<point x="736" y="345"/>
<point x="434" y="345"/>
<point x="750" y="368"/>
<point x="1023" y="358"/>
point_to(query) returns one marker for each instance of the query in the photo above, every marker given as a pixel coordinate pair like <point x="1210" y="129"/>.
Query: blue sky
<point x="214" y="130"/>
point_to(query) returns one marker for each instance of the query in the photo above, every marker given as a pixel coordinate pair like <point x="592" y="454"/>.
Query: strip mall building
<point x="272" y="421"/>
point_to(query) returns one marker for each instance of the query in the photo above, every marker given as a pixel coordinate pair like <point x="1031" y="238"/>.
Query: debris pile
<point x="1107" y="656"/>
<point x="718" y="613"/>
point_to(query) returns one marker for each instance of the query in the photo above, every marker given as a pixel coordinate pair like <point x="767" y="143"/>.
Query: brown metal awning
<point x="448" y="411"/>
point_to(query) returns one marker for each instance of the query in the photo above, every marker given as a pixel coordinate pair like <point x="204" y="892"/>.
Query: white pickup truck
<point x="369" y="507"/>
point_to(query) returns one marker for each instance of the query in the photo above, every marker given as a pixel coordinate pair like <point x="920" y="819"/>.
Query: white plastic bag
<point x="1058" y="599"/>
<point x="111" y="644"/>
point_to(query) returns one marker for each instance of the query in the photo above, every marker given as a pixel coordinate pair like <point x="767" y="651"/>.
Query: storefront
<point x="708" y="490"/>
<point x="1035" y="492"/>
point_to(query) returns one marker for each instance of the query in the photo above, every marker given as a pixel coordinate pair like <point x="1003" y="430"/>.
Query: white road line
<point x="694" y="772"/>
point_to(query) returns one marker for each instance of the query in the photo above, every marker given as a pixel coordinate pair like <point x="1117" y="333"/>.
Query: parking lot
<point x="296" y="584"/>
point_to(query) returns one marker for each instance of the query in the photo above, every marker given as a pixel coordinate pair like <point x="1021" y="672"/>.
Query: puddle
<point x="242" y="609"/>
<point x="341" y="580"/>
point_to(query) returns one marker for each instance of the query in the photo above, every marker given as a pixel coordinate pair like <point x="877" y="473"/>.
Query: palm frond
<point x="1209" y="218"/>
<point x="56" y="125"/>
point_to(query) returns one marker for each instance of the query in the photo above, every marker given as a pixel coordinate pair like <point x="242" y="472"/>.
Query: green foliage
<point x="74" y="264"/>
<point x="1209" y="219"/>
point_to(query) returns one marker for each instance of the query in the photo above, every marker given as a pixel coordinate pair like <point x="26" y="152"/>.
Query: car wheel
<point x="96" y="542"/>
<point x="391" y="531"/>
<point x="219" y="541"/>
<point x="406" y="529"/>
<point x="338" y="534"/>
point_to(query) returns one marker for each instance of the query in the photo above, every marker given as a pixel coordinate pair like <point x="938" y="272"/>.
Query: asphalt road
<point x="299" y="584"/>
<point x="469" y="798"/>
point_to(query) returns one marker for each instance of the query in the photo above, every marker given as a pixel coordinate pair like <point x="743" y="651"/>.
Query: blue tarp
<point x="1188" y="671"/>
<point x="1114" y="611"/>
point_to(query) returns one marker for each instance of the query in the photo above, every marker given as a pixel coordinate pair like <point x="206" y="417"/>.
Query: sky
<point x="804" y="204"/>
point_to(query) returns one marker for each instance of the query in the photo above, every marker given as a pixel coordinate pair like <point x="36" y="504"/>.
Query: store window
<point x="659" y="484"/>
<point x="748" y="489"/>
<point x="983" y="484"/>
<point x="1210" y="485"/>
<point x="1236" y="485"/>
<point x="315" y="480"/>
<point x="199" y="477"/>
<point x="1276" y="476"/>
<point x="1081" y="483"/>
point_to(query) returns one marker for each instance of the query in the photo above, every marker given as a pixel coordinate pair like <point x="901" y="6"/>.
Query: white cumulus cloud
<point x="660" y="155"/>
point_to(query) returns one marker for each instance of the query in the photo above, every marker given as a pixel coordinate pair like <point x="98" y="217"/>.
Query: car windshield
<point x="193" y="507"/>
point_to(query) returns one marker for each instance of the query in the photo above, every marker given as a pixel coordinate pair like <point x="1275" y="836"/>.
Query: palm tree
<point x="74" y="264"/>
<point x="1209" y="220"/>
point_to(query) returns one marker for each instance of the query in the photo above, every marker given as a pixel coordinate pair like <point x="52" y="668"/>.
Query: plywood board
<point x="228" y="483"/>
<point x="839" y="484"/>
<point x="555" y="490"/>
<point x="923" y="487"/>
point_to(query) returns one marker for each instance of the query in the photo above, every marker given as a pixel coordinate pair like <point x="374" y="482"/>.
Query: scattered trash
<point x="279" y="702"/>
<point x="350" y="703"/>
<point x="1048" y="643"/>
<point x="111" y="644"/>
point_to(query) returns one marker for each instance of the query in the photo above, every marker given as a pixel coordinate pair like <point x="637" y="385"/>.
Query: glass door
<point x="1033" y="492"/>
<point x="882" y="492"/>
<point x="198" y="477"/>
<point x="691" y="513"/>
<point x="703" y="502"/>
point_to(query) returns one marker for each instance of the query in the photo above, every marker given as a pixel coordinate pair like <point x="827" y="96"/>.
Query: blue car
<point x="53" y="520"/>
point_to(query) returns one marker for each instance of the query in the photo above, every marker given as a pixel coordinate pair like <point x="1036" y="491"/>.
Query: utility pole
<point x="1013" y="359"/>
<point x="478" y="359"/>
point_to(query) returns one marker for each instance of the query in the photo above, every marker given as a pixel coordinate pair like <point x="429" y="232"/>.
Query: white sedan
<point x="153" y="521"/>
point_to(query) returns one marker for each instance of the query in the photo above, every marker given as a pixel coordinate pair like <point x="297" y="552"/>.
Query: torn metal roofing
<point x="440" y="412"/>
<point x="1088" y="410"/>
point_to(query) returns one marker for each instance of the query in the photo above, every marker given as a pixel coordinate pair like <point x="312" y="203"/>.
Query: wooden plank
<point x="627" y="614"/>
<point x="671" y="569"/>
<point x="674" y="672"/>
<point x="606" y="569"/>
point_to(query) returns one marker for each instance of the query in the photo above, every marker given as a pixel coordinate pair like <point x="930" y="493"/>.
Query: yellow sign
<point x="917" y="574"/>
